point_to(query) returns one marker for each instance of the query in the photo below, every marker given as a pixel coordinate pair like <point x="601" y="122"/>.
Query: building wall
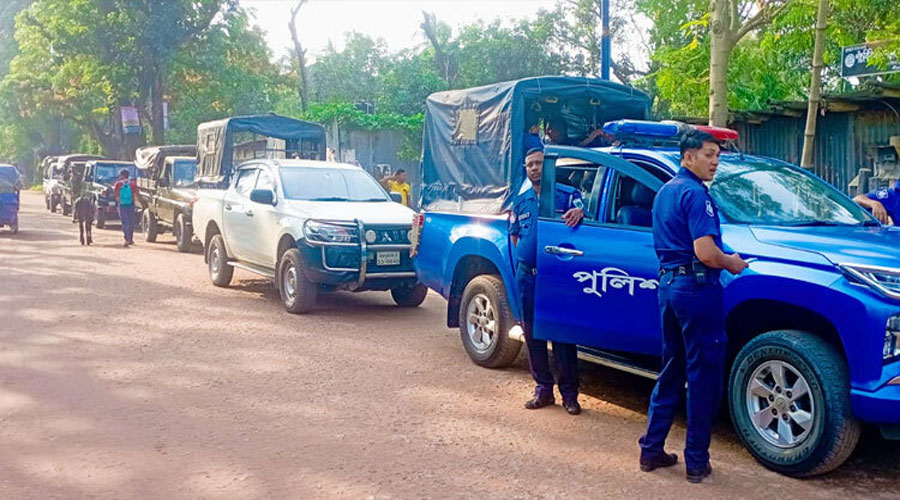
<point x="845" y="142"/>
<point x="369" y="149"/>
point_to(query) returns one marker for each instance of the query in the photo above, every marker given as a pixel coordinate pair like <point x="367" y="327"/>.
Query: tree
<point x="352" y="74"/>
<point x="815" y="86"/>
<point x="81" y="60"/>
<point x="729" y="22"/>
<point x="8" y="46"/>
<point x="300" y="54"/>
<point x="768" y="64"/>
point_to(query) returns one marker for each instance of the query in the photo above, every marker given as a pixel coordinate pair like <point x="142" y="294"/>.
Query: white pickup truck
<point x="310" y="226"/>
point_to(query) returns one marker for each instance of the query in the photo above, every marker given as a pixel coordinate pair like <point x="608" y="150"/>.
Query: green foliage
<point x="769" y="65"/>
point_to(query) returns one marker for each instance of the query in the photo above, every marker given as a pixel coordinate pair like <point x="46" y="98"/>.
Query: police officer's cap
<point x="536" y="149"/>
<point x="694" y="139"/>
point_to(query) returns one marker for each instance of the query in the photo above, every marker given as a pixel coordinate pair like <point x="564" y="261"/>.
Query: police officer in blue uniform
<point x="883" y="203"/>
<point x="688" y="242"/>
<point x="523" y="229"/>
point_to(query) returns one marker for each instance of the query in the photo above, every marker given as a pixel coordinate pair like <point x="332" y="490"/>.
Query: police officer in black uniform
<point x="523" y="229"/>
<point x="688" y="242"/>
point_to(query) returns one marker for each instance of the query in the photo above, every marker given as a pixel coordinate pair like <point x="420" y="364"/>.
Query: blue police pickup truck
<point x="813" y="324"/>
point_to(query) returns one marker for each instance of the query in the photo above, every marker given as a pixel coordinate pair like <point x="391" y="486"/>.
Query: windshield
<point x="762" y="191"/>
<point x="9" y="180"/>
<point x="185" y="171"/>
<point x="107" y="173"/>
<point x="324" y="184"/>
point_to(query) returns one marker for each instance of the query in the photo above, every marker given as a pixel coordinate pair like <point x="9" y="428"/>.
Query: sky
<point x="395" y="21"/>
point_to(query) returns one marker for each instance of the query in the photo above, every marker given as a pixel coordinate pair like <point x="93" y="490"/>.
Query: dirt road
<point x="125" y="374"/>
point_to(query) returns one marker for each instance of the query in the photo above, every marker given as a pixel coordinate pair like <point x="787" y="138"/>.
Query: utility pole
<point x="815" y="87"/>
<point x="605" y="45"/>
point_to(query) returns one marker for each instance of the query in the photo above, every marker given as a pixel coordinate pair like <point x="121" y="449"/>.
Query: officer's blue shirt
<point x="682" y="212"/>
<point x="523" y="220"/>
<point x="890" y="198"/>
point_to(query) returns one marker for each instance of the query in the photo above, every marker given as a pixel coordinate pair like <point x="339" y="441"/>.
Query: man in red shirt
<point x="126" y="191"/>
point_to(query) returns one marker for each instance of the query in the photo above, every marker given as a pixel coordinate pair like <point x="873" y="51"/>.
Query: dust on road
<point x="126" y="374"/>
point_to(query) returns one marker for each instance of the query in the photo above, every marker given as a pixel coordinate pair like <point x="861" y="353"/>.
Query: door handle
<point x="249" y="213"/>
<point x="228" y="208"/>
<point x="563" y="251"/>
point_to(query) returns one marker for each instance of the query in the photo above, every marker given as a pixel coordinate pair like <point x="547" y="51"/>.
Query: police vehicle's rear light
<point x="723" y="134"/>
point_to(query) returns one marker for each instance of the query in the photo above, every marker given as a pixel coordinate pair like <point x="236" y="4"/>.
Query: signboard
<point x="131" y="120"/>
<point x="855" y="61"/>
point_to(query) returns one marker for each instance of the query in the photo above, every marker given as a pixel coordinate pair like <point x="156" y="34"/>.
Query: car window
<point x="265" y="181"/>
<point x="245" y="181"/>
<point x="581" y="177"/>
<point x="630" y="202"/>
<point x="326" y="184"/>
<point x="185" y="172"/>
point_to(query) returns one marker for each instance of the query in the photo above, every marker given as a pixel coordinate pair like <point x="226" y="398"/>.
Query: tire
<point x="101" y="219"/>
<point x="786" y="446"/>
<point x="66" y="208"/>
<point x="409" y="296"/>
<point x="14" y="227"/>
<point x="149" y="227"/>
<point x="47" y="201"/>
<point x="297" y="294"/>
<point x="54" y="202"/>
<point x="219" y="271"/>
<point x="486" y="297"/>
<point x="183" y="234"/>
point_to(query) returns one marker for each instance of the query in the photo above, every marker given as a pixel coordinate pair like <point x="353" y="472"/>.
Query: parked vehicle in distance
<point x="52" y="174"/>
<point x="99" y="179"/>
<point x="72" y="168"/>
<point x="813" y="325"/>
<point x="10" y="188"/>
<point x="167" y="188"/>
<point x="308" y="225"/>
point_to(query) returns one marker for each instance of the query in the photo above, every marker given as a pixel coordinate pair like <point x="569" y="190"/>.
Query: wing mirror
<point x="397" y="197"/>
<point x="264" y="196"/>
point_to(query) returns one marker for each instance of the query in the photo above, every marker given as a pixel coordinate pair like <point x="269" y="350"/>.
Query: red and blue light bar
<point x="624" y="129"/>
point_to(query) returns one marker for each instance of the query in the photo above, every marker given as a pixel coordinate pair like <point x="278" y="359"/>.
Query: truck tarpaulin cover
<point x="215" y="140"/>
<point x="150" y="158"/>
<point x="473" y="149"/>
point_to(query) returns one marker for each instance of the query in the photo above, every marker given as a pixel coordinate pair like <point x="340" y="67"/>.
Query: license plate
<point x="387" y="258"/>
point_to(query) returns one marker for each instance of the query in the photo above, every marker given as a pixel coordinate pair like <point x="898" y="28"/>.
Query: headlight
<point x="892" y="338"/>
<point x="883" y="280"/>
<point x="330" y="233"/>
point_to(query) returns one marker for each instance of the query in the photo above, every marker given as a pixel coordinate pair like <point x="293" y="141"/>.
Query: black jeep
<point x="167" y="190"/>
<point x="98" y="181"/>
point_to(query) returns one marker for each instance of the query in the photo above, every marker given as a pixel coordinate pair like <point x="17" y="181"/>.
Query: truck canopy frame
<point x="474" y="139"/>
<point x="216" y="142"/>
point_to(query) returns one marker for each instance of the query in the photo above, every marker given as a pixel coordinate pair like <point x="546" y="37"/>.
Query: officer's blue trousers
<point x="565" y="355"/>
<point x="694" y="343"/>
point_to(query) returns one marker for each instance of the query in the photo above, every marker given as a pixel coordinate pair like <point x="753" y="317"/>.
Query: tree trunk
<point x="719" y="54"/>
<point x="815" y="87"/>
<point x="157" y="121"/>
<point x="444" y="61"/>
<point x="300" y="54"/>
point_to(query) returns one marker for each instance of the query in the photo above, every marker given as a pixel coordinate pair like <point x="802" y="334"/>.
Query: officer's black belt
<point x="677" y="271"/>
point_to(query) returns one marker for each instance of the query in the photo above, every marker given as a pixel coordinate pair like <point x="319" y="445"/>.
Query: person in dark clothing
<point x="884" y="203"/>
<point x="523" y="230"/>
<point x="688" y="242"/>
<point x="126" y="191"/>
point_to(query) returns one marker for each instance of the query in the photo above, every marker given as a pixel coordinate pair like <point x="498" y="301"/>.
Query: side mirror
<point x="397" y="197"/>
<point x="264" y="196"/>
